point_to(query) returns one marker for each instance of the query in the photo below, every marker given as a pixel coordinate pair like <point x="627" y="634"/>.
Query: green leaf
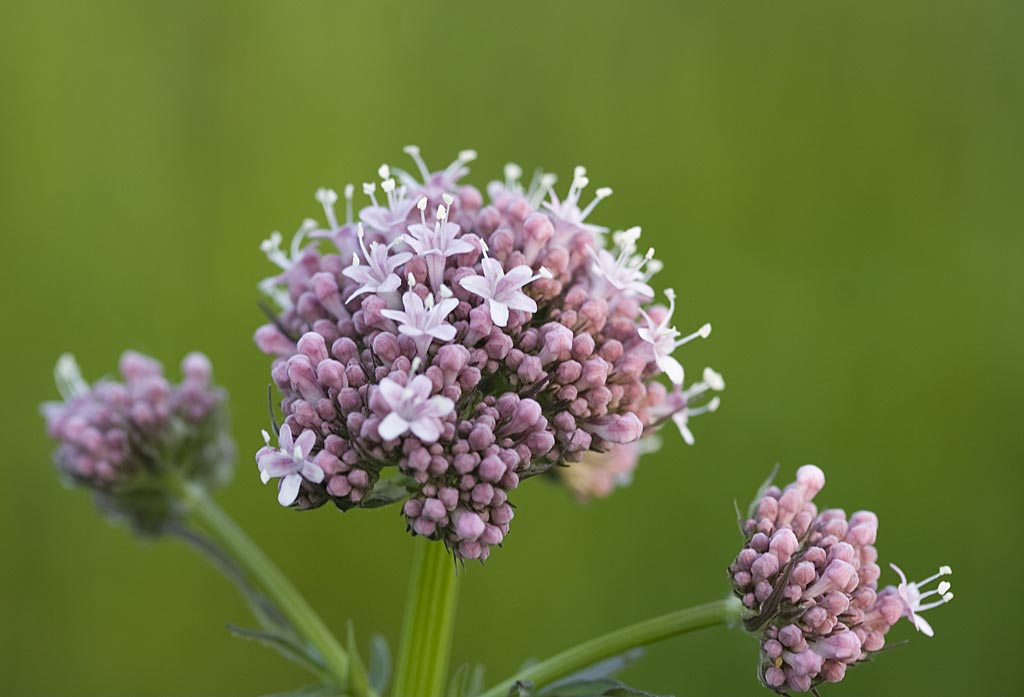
<point x="386" y="492"/>
<point x="358" y="682"/>
<point x="594" y="688"/>
<point x="285" y="646"/>
<point x="380" y="663"/>
<point x="316" y="690"/>
<point x="599" y="670"/>
<point x="760" y="493"/>
<point x="467" y="681"/>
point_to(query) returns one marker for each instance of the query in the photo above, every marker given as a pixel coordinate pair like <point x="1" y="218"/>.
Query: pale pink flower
<point x="290" y="462"/>
<point x="501" y="290"/>
<point x="378" y="276"/>
<point x="626" y="272"/>
<point x="911" y="595"/>
<point x="413" y="409"/>
<point x="664" y="340"/>
<point x="424" y="321"/>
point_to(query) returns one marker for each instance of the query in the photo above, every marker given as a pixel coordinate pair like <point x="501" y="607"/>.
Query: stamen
<point x="384" y="172"/>
<point x="512" y="174"/>
<point x="327" y="199"/>
<point x="369" y="188"/>
<point x="703" y="333"/>
<point x="68" y="377"/>
<point x="602" y="193"/>
<point x="414" y="152"/>
<point x="349" y="192"/>
<point x="714" y="380"/>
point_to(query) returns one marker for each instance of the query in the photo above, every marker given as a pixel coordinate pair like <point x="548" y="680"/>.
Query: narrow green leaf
<point x="316" y="690"/>
<point x="380" y="663"/>
<point x="283" y="645"/>
<point x="358" y="682"/>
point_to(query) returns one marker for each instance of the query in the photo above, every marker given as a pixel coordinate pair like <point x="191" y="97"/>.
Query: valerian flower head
<point x="444" y="350"/>
<point x="133" y="442"/>
<point x="809" y="583"/>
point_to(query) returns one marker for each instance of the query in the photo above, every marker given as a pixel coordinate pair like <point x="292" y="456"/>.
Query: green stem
<point x="269" y="578"/>
<point x="426" y="641"/>
<point x="621" y="640"/>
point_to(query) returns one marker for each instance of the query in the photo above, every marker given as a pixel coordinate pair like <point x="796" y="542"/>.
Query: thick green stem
<point x="429" y="619"/>
<point x="620" y="641"/>
<point x="265" y="574"/>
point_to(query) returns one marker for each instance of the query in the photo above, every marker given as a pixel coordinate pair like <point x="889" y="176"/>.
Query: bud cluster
<point x="809" y="581"/>
<point x="123" y="438"/>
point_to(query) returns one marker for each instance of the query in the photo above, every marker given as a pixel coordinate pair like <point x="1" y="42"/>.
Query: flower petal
<point x="312" y="472"/>
<point x="289" y="489"/>
<point x="672" y="368"/>
<point x="427" y="429"/>
<point x="499" y="313"/>
<point x="477" y="285"/>
<point x="305" y="442"/>
<point x="391" y="391"/>
<point x="392" y="426"/>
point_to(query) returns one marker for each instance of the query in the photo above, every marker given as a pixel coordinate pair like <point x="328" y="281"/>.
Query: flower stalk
<point x="425" y="646"/>
<point x="713" y="614"/>
<point x="269" y="578"/>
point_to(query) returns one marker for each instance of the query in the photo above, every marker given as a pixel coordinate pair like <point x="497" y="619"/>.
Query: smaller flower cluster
<point x="121" y="438"/>
<point x="810" y="583"/>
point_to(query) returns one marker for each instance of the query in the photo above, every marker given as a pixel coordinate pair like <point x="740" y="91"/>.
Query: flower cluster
<point x="468" y="346"/>
<point x="123" y="439"/>
<point x="809" y="581"/>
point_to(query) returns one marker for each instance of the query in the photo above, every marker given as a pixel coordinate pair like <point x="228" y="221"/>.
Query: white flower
<point x="286" y="261"/>
<point x="289" y="461"/>
<point x="912" y="596"/>
<point x="539" y="187"/>
<point x="665" y="339"/>
<point x="413" y="409"/>
<point x="435" y="183"/>
<point x="501" y="290"/>
<point x="439" y="243"/>
<point x="423" y="320"/>
<point x="569" y="210"/>
<point x="388" y="219"/>
<point x="626" y="272"/>
<point x="378" y="276"/>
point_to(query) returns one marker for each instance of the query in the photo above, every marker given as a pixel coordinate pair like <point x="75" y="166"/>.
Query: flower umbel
<point x="450" y="358"/>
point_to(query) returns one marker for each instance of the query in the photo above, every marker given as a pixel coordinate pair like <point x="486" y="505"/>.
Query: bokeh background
<point x="836" y="186"/>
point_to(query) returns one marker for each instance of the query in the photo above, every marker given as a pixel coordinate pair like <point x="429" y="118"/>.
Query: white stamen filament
<point x="350" y="190"/>
<point x="327" y="199"/>
<point x="414" y="152"/>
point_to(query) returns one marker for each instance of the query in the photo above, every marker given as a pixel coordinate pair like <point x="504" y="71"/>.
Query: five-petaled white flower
<point x="501" y="290"/>
<point x="912" y="596"/>
<point x="625" y="272"/>
<point x="569" y="209"/>
<point x="378" y="276"/>
<point x="388" y="219"/>
<point x="413" y="409"/>
<point x="665" y="339"/>
<point x="423" y="320"/>
<point x="289" y="461"/>
<point x="438" y="243"/>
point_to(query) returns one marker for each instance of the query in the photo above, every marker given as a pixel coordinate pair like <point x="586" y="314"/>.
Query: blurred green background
<point x="836" y="186"/>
